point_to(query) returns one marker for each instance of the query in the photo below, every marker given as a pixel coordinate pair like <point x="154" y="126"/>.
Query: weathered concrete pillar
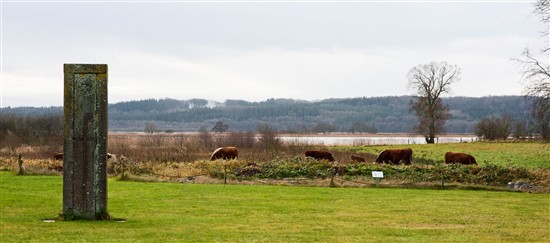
<point x="85" y="145"/>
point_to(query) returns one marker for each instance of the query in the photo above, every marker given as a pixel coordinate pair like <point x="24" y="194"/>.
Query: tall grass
<point x="189" y="148"/>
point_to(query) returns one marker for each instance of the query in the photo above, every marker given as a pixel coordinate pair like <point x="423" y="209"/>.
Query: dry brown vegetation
<point x="171" y="155"/>
<point x="185" y="158"/>
<point x="189" y="148"/>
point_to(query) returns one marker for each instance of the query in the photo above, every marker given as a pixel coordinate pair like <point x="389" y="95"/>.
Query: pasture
<point x="519" y="154"/>
<point x="243" y="213"/>
<point x="176" y="160"/>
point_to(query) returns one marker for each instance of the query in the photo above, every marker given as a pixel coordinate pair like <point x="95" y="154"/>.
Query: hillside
<point x="364" y="114"/>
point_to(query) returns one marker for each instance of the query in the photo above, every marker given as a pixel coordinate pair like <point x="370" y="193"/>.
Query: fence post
<point x="122" y="167"/>
<point x="85" y="142"/>
<point x="334" y="171"/>
<point x="20" y="162"/>
<point x="224" y="173"/>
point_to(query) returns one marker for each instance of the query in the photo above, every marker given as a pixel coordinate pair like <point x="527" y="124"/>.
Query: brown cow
<point x="319" y="155"/>
<point x="395" y="155"/>
<point x="225" y="153"/>
<point x="460" y="158"/>
<point x="58" y="156"/>
<point x="355" y="158"/>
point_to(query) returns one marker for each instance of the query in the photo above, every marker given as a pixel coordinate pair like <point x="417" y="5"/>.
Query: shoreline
<point x="298" y="135"/>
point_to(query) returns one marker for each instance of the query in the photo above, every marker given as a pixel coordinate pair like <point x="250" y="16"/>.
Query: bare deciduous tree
<point x="430" y="81"/>
<point x="150" y="128"/>
<point x="536" y="74"/>
<point x="220" y="127"/>
<point x="205" y="139"/>
<point x="541" y="117"/>
<point x="269" y="139"/>
<point x="323" y="127"/>
<point x="493" y="128"/>
<point x="241" y="139"/>
<point x="542" y="8"/>
<point x="431" y="118"/>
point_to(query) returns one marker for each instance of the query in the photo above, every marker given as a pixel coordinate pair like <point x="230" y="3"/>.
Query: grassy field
<point x="157" y="212"/>
<point x="521" y="154"/>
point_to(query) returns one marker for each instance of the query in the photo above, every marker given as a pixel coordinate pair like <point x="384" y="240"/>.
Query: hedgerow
<point x="490" y="174"/>
<point x="281" y="168"/>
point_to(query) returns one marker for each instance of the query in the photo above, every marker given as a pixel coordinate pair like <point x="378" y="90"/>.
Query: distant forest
<point x="365" y="114"/>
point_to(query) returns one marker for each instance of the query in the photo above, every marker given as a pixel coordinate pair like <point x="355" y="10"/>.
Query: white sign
<point x="377" y="174"/>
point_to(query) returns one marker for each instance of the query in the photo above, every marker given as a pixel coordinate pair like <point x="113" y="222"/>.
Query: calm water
<point x="367" y="140"/>
<point x="337" y="139"/>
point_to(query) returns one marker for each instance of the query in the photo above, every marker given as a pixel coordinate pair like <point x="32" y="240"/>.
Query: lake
<point x="331" y="139"/>
<point x="372" y="139"/>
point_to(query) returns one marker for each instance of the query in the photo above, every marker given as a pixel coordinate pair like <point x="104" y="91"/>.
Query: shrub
<point x="493" y="128"/>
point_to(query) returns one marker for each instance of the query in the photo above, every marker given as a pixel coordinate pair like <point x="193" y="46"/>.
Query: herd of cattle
<point x="394" y="156"/>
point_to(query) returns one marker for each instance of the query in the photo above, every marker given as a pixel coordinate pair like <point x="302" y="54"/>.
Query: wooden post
<point x="334" y="171"/>
<point x="122" y="167"/>
<point x="224" y="173"/>
<point x="85" y="144"/>
<point x="20" y="162"/>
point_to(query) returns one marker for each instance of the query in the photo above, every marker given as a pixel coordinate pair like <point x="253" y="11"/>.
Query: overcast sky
<point x="259" y="50"/>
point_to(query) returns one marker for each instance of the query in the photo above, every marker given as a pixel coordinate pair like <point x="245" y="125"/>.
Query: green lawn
<point x="522" y="154"/>
<point x="239" y="213"/>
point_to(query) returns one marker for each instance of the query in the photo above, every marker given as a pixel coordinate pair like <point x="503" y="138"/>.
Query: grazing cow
<point x="225" y="153"/>
<point x="395" y="155"/>
<point x="355" y="158"/>
<point x="320" y="155"/>
<point x="58" y="156"/>
<point x="460" y="158"/>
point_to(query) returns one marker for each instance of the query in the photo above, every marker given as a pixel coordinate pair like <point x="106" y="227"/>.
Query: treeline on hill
<point x="371" y="115"/>
<point x="364" y="114"/>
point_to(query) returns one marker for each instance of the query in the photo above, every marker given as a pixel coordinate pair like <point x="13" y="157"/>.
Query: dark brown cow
<point x="395" y="155"/>
<point x="319" y="155"/>
<point x="355" y="158"/>
<point x="225" y="153"/>
<point x="58" y="156"/>
<point x="460" y="158"/>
